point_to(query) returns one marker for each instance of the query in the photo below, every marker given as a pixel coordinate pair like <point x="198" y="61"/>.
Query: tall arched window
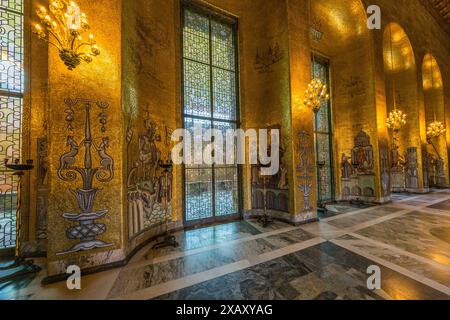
<point x="210" y="100"/>
<point x="11" y="95"/>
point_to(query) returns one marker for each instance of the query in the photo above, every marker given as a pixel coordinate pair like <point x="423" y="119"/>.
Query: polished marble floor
<point x="408" y="239"/>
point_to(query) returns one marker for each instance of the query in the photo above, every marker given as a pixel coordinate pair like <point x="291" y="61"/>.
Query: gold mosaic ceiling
<point x="443" y="6"/>
<point x="441" y="10"/>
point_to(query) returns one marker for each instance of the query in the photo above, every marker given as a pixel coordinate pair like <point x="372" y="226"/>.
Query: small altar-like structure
<point x="398" y="178"/>
<point x="358" y="178"/>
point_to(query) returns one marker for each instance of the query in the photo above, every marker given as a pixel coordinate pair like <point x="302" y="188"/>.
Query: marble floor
<point x="408" y="239"/>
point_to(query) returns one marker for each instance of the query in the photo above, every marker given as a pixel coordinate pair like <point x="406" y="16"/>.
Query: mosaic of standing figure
<point x="42" y="190"/>
<point x="146" y="181"/>
<point x="305" y="168"/>
<point x="274" y="188"/>
<point x="412" y="169"/>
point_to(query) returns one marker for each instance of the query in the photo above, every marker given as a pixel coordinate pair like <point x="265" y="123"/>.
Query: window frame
<point x="8" y="94"/>
<point x="213" y="15"/>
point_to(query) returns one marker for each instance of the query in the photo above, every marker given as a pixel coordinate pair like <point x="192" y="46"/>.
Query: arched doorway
<point x="402" y="96"/>
<point x="437" y="157"/>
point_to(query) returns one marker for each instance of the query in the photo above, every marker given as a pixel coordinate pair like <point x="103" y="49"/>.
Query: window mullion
<point x="211" y="85"/>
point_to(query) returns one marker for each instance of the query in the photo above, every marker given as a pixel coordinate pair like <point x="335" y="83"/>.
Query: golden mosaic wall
<point x="138" y="74"/>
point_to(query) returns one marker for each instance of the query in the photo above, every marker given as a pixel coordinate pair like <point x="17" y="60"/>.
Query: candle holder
<point x="169" y="240"/>
<point x="265" y="219"/>
<point x="24" y="267"/>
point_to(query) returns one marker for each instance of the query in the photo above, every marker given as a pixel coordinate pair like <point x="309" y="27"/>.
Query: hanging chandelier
<point x="316" y="94"/>
<point x="396" y="120"/>
<point x="63" y="26"/>
<point x="435" y="129"/>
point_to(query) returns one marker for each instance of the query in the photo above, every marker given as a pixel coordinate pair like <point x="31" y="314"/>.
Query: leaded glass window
<point x="11" y="94"/>
<point x="323" y="136"/>
<point x="209" y="100"/>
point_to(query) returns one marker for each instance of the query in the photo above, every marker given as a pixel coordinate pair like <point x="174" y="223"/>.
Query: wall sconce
<point x="62" y="26"/>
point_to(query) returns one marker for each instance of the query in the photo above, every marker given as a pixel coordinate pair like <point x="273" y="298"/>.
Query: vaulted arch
<point x="401" y="90"/>
<point x="340" y="34"/>
<point x="433" y="89"/>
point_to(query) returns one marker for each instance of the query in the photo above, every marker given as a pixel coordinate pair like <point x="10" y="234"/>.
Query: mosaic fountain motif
<point x="88" y="230"/>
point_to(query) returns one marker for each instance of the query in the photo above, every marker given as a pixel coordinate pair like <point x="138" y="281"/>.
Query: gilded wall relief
<point x="352" y="86"/>
<point x="42" y="189"/>
<point x="362" y="154"/>
<point x="146" y="180"/>
<point x="358" y="178"/>
<point x="435" y="171"/>
<point x="412" y="169"/>
<point x="152" y="39"/>
<point x="305" y="168"/>
<point x="275" y="188"/>
<point x="385" y="171"/>
<point x="100" y="168"/>
<point x="316" y="28"/>
<point x="426" y="183"/>
<point x="266" y="58"/>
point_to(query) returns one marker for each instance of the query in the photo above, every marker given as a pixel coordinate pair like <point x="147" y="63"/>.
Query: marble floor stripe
<point x="344" y="215"/>
<point x="419" y="278"/>
<point x="434" y="272"/>
<point x="376" y="221"/>
<point x="187" y="253"/>
<point x="138" y="278"/>
<point x="191" y="280"/>
<point x="401" y="251"/>
<point x="420" y="233"/>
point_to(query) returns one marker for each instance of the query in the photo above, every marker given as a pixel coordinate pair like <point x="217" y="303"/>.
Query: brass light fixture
<point x="62" y="26"/>
<point x="396" y="118"/>
<point x="436" y="128"/>
<point x="316" y="94"/>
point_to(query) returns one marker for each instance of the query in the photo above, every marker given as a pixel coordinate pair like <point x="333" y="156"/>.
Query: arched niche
<point x="433" y="89"/>
<point x="340" y="34"/>
<point x="401" y="84"/>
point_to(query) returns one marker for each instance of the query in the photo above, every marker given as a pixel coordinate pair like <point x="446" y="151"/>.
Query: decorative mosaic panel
<point x="10" y="146"/>
<point x="209" y="56"/>
<point x="11" y="47"/>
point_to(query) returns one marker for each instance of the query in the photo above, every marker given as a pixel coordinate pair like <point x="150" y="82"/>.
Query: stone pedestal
<point x="359" y="187"/>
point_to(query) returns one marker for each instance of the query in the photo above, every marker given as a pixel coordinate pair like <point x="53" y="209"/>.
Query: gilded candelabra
<point x="435" y="130"/>
<point x="316" y="94"/>
<point x="395" y="122"/>
<point x="62" y="26"/>
<point x="88" y="230"/>
<point x="21" y="266"/>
